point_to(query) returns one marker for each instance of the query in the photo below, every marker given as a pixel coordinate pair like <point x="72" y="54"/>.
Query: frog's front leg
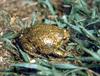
<point x="60" y="53"/>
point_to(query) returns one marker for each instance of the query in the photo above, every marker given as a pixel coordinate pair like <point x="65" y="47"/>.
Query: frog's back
<point x="42" y="33"/>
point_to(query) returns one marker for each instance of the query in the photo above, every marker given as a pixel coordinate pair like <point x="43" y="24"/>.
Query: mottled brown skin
<point x="44" y="40"/>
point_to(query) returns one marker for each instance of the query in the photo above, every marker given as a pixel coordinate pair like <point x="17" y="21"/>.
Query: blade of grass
<point x="50" y="6"/>
<point x="23" y="54"/>
<point x="66" y="66"/>
<point x="93" y="54"/>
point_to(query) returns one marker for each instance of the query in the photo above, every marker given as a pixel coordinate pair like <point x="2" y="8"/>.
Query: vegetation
<point x="83" y="20"/>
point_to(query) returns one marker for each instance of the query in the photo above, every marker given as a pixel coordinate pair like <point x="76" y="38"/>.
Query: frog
<point x="44" y="40"/>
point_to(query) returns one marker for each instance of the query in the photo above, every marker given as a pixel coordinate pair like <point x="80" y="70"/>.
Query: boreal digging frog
<point x="45" y="40"/>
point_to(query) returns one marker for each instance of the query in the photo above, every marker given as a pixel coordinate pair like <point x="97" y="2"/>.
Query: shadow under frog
<point x="43" y="41"/>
